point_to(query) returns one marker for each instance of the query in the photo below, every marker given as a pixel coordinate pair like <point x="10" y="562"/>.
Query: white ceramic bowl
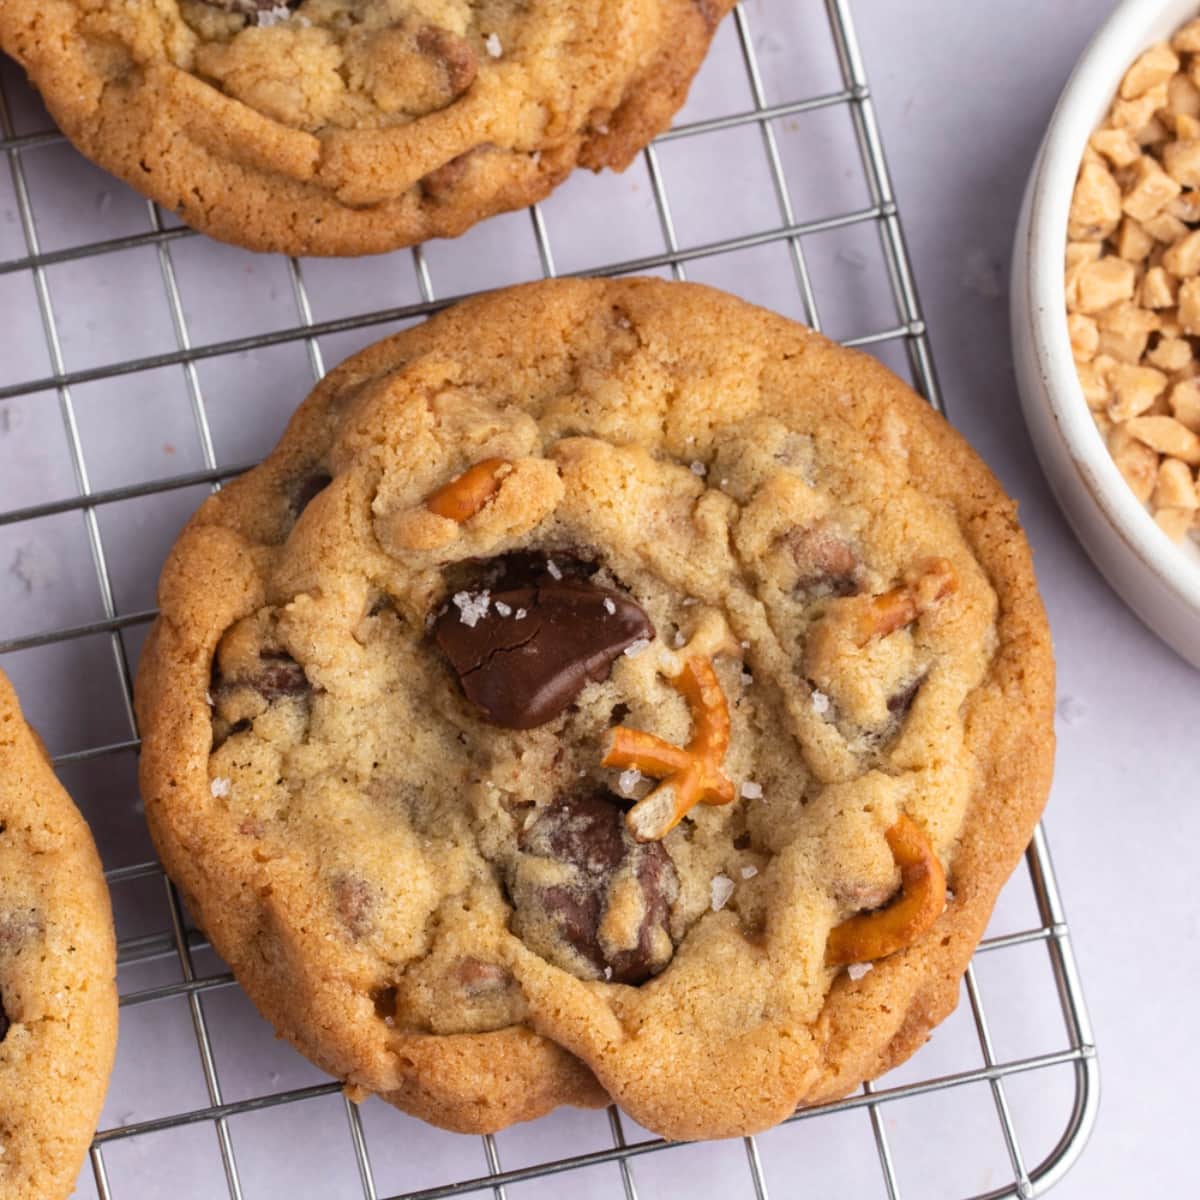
<point x="1158" y="579"/>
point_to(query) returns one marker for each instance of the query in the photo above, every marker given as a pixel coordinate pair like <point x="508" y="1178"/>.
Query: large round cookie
<point x="574" y="524"/>
<point x="355" y="126"/>
<point x="58" y="998"/>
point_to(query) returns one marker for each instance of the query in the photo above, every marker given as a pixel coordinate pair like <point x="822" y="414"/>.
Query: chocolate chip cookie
<point x="58" y="998"/>
<point x="605" y="689"/>
<point x="356" y="126"/>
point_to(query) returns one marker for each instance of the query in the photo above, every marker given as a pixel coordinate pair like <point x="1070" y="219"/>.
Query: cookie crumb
<point x="857" y="970"/>
<point x="749" y="872"/>
<point x="220" y="787"/>
<point x="752" y="790"/>
<point x="747" y="679"/>
<point x="722" y="889"/>
<point x="492" y="45"/>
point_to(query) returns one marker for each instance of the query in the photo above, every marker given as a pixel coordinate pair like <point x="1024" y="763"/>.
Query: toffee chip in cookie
<point x="58" y="996"/>
<point x="356" y="126"/>
<point x="639" y="669"/>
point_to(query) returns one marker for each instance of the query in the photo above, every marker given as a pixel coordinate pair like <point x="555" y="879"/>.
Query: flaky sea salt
<point x="609" y="606"/>
<point x="857" y="970"/>
<point x="553" y="568"/>
<point x="208" y="699"/>
<point x="679" y="640"/>
<point x="608" y="972"/>
<point x="505" y="610"/>
<point x="749" y="872"/>
<point x="747" y="679"/>
<point x="820" y="702"/>
<point x="521" y="615"/>
<point x="273" y="16"/>
<point x="492" y="45"/>
<point x="722" y="889"/>
<point x="752" y="790"/>
<point x="698" y="468"/>
<point x="220" y="787"/>
<point x="635" y="648"/>
<point x="627" y="781"/>
<point x="472" y="608"/>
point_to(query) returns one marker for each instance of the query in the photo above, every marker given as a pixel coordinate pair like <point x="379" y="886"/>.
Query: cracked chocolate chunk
<point x="584" y="889"/>
<point x="523" y="653"/>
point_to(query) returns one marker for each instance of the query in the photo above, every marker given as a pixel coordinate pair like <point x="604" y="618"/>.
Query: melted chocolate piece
<point x="308" y="489"/>
<point x="900" y="702"/>
<point x="827" y="562"/>
<point x="453" y="53"/>
<point x="279" y="675"/>
<point x="588" y="833"/>
<point x="523" y="653"/>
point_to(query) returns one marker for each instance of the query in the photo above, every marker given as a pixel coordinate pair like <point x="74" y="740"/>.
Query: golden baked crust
<point x="58" y="996"/>
<point x="372" y="857"/>
<point x="356" y="126"/>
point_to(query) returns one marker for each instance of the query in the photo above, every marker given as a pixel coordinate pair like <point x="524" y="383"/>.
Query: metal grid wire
<point x="185" y="944"/>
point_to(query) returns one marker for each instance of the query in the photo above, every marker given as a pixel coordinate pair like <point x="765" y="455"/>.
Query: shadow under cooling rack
<point x="120" y="316"/>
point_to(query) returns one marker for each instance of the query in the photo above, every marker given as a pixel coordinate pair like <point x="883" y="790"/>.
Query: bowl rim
<point x="1089" y="91"/>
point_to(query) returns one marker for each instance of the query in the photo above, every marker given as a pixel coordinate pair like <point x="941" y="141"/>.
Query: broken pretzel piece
<point x="920" y="902"/>
<point x="924" y="586"/>
<point x="466" y="494"/>
<point x="691" y="775"/>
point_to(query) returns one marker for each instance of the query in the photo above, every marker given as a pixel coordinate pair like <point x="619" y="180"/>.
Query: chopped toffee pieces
<point x="611" y="904"/>
<point x="524" y="653"/>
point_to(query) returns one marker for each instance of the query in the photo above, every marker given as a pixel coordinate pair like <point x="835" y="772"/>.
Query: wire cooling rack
<point x="143" y="364"/>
